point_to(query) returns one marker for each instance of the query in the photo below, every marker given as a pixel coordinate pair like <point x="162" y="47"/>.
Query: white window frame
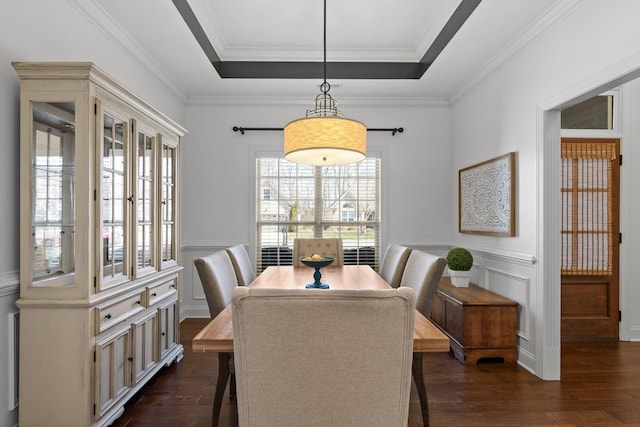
<point x="614" y="132"/>
<point x="317" y="223"/>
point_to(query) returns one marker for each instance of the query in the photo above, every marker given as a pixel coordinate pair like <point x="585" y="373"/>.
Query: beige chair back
<point x="241" y="264"/>
<point x="393" y="263"/>
<point x="218" y="280"/>
<point x="318" y="358"/>
<point x="422" y="273"/>
<point x="323" y="246"/>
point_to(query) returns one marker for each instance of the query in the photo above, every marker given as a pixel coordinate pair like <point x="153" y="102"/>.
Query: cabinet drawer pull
<point x="154" y="294"/>
<point x="108" y="316"/>
<point x="138" y="302"/>
<point x="163" y="334"/>
<point x="130" y="359"/>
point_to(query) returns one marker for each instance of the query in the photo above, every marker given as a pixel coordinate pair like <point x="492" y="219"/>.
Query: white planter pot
<point x="460" y="279"/>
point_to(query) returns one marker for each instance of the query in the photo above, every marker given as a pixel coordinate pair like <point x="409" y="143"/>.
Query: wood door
<point x="590" y="238"/>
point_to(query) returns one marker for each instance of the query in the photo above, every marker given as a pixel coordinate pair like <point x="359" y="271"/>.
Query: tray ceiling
<point x="381" y="48"/>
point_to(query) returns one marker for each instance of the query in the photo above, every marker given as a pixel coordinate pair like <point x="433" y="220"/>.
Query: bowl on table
<point x="317" y="263"/>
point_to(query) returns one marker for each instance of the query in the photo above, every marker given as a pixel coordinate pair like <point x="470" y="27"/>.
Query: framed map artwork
<point x="486" y="197"/>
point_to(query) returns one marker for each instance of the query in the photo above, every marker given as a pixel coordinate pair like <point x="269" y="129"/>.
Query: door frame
<point x="547" y="290"/>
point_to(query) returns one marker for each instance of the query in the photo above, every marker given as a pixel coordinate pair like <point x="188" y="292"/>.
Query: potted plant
<point x="459" y="262"/>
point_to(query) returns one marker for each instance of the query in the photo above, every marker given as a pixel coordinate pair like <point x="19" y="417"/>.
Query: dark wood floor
<point x="600" y="387"/>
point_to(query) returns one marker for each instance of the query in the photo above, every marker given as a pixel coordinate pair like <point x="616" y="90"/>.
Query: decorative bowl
<point x="318" y="264"/>
<point x="317" y="275"/>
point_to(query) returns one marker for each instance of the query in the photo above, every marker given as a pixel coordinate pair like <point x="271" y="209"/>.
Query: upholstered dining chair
<point x="422" y="273"/>
<point x="218" y="280"/>
<point x="241" y="264"/>
<point x="393" y="263"/>
<point x="330" y="357"/>
<point x="330" y="246"/>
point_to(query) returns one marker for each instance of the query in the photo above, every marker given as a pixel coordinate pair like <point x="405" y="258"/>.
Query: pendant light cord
<point x="325" y="85"/>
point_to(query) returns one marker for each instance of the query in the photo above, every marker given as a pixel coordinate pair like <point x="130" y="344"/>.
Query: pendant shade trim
<point x="322" y="141"/>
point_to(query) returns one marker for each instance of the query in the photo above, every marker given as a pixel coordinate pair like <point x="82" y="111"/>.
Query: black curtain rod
<point x="242" y="130"/>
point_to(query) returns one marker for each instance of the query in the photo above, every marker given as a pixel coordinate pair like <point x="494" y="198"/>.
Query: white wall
<point x="499" y="114"/>
<point x="630" y="206"/>
<point x="53" y="30"/>
<point x="9" y="211"/>
<point x="219" y="166"/>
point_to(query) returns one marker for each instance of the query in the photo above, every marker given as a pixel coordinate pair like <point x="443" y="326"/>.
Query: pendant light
<point x="325" y="136"/>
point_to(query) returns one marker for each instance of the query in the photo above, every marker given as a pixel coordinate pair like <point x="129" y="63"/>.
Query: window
<point x="594" y="113"/>
<point x="317" y="201"/>
<point x="590" y="173"/>
<point x="348" y="212"/>
<point x="593" y="117"/>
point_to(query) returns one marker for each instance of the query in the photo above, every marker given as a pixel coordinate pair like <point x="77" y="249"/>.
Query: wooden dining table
<point x="217" y="335"/>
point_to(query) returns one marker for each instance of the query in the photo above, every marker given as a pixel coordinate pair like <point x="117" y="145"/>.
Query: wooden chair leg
<point x="232" y="385"/>
<point x="418" y="378"/>
<point x="221" y="384"/>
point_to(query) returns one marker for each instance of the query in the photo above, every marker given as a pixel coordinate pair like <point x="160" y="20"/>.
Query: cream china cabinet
<point x="99" y="265"/>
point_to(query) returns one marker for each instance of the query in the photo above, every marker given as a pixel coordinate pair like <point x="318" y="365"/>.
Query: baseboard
<point x="188" y="312"/>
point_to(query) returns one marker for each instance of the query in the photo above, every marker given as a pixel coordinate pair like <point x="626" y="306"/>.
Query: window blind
<point x="305" y="201"/>
<point x="587" y="207"/>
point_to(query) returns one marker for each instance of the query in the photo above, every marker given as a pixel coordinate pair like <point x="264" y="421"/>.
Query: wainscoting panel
<point x="516" y="288"/>
<point x="13" y="353"/>
<point x="197" y="291"/>
<point x="9" y="347"/>
<point x="193" y="302"/>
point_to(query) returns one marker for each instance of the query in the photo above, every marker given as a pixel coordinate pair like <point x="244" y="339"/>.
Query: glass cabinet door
<point x="167" y="204"/>
<point x="53" y="193"/>
<point x="144" y="243"/>
<point x="115" y="147"/>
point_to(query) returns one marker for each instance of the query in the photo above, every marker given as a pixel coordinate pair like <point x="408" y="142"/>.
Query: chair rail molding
<point x="508" y="256"/>
<point x="210" y="245"/>
<point x="9" y="283"/>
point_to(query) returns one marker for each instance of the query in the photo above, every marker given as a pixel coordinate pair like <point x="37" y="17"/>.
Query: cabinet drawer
<point x="159" y="292"/>
<point x="119" y="310"/>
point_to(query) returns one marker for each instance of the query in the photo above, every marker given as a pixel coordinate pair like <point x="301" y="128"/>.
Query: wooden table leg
<point x="221" y="384"/>
<point x="418" y="378"/>
<point x="232" y="373"/>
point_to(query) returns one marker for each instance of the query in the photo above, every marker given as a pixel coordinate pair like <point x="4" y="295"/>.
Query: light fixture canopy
<point x="325" y="136"/>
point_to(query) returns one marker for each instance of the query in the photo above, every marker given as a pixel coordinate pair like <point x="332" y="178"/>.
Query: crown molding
<point x="551" y="18"/>
<point x="288" y="101"/>
<point x="313" y="54"/>
<point x="9" y="283"/>
<point x="95" y="13"/>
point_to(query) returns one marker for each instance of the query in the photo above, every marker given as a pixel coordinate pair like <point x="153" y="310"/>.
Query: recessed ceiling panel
<point x="292" y="30"/>
<point x="354" y="32"/>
